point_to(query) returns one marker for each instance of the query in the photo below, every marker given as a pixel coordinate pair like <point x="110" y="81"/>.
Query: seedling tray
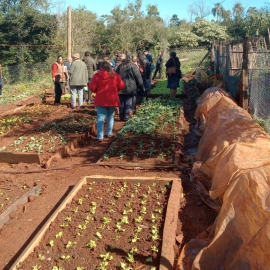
<point x="167" y="255"/>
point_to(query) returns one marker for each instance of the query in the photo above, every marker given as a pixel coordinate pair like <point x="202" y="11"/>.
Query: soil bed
<point x="111" y="224"/>
<point x="46" y="138"/>
<point x="151" y="135"/>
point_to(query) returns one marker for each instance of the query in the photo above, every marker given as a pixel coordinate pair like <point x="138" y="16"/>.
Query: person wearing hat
<point x="78" y="75"/>
<point x="173" y="73"/>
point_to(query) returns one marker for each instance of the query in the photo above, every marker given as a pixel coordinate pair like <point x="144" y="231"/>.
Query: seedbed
<point x="26" y="115"/>
<point x="106" y="224"/>
<point x="151" y="135"/>
<point x="47" y="138"/>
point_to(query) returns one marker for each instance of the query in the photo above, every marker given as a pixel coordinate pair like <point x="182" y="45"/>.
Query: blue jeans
<point x="73" y="91"/>
<point x="126" y="107"/>
<point x="103" y="112"/>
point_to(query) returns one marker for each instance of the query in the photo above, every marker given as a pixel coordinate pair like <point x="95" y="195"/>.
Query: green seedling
<point x="132" y="195"/>
<point x="133" y="250"/>
<point x="91" y="244"/>
<point x="86" y="196"/>
<point x="135" y="238"/>
<point x="143" y="202"/>
<point x="57" y="268"/>
<point x="150" y="259"/>
<point x="143" y="210"/>
<point x="144" y="196"/>
<point x="80" y="201"/>
<point x="154" y="248"/>
<point x="119" y="228"/>
<point x="68" y="219"/>
<point x="70" y="244"/>
<point x="138" y="184"/>
<point x="124" y="220"/>
<point x="65" y="257"/>
<point x="139" y="219"/>
<point x="117" y="237"/>
<point x="125" y="267"/>
<point x="88" y="219"/>
<point x="153" y="217"/>
<point x="112" y="203"/>
<point x="117" y="195"/>
<point x="127" y="204"/>
<point x="159" y="210"/>
<point x="41" y="257"/>
<point x="82" y="226"/>
<point x="59" y="235"/>
<point x="63" y="225"/>
<point x="130" y="258"/>
<point x="90" y="188"/>
<point x="102" y="265"/>
<point x="106" y="257"/>
<point x="126" y="212"/>
<point x="36" y="267"/>
<point x="169" y="185"/>
<point x="106" y="220"/>
<point x="79" y="268"/>
<point x="139" y="229"/>
<point x="75" y="210"/>
<point x="51" y="243"/>
<point x="99" y="235"/>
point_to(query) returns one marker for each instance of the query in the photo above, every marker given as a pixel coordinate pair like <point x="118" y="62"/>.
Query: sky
<point x="166" y="8"/>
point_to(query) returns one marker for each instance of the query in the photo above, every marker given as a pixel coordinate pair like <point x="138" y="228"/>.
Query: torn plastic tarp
<point x="235" y="152"/>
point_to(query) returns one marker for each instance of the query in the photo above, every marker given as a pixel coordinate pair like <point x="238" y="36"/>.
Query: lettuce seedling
<point x="65" y="257"/>
<point x="135" y="238"/>
<point x="59" y="235"/>
<point x="70" y="244"/>
<point x="130" y="257"/>
<point x="150" y="259"/>
<point x="36" y="267"/>
<point x="51" y="243"/>
<point x="143" y="211"/>
<point x="91" y="244"/>
<point x="99" y="235"/>
<point x="125" y="267"/>
<point x="154" y="248"/>
<point x="139" y="219"/>
<point x="106" y="257"/>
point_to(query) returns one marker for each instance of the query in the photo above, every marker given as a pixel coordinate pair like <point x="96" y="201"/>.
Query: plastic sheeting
<point x="234" y="152"/>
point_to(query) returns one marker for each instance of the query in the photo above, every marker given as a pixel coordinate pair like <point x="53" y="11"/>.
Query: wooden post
<point x="243" y="85"/>
<point x="268" y="30"/>
<point x="69" y="31"/>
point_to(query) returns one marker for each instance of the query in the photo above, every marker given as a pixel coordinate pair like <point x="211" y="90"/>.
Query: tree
<point x="238" y="11"/>
<point x="198" y="9"/>
<point x="174" y="21"/>
<point x="209" y="31"/>
<point x="182" y="38"/>
<point x="152" y="11"/>
<point x="217" y="10"/>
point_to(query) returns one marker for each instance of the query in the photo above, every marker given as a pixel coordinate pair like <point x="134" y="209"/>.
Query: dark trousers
<point x="126" y="106"/>
<point x="158" y="70"/>
<point x="58" y="88"/>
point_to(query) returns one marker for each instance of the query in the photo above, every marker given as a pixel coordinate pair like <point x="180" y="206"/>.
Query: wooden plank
<point x="14" y="158"/>
<point x="38" y="237"/>
<point x="170" y="227"/>
<point x="36" y="240"/>
<point x="4" y="217"/>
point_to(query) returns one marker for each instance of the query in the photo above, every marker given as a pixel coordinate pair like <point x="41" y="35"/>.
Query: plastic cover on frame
<point x="234" y="152"/>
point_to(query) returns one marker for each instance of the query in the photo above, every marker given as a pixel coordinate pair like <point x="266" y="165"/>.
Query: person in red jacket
<point x="106" y="84"/>
<point x="59" y="75"/>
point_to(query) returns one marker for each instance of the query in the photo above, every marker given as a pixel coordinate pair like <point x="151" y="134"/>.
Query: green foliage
<point x="183" y="38"/>
<point x="209" y="31"/>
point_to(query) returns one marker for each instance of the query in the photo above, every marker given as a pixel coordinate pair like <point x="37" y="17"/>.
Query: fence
<point x="245" y="65"/>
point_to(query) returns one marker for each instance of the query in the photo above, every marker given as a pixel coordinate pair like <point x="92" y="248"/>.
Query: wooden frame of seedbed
<point x="170" y="224"/>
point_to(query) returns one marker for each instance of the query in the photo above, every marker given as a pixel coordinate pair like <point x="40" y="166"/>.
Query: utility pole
<point x="69" y="31"/>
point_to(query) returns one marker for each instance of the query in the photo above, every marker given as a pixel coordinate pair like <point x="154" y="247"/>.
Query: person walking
<point x="59" y="77"/>
<point x="106" y="84"/>
<point x="78" y="80"/>
<point x="132" y="78"/>
<point x="91" y="68"/>
<point x="159" y="65"/>
<point x="173" y="73"/>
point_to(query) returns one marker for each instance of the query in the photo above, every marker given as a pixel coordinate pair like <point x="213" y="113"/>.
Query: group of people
<point x="74" y="73"/>
<point x="120" y="83"/>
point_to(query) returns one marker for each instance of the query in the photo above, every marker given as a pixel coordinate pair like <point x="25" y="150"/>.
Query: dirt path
<point x="25" y="222"/>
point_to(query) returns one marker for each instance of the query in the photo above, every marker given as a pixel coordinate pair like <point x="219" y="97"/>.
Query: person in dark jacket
<point x="91" y="68"/>
<point x="173" y="78"/>
<point x="132" y="78"/>
<point x="159" y="65"/>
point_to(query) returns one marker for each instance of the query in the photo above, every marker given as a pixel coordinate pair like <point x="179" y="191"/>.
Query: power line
<point x="32" y="45"/>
